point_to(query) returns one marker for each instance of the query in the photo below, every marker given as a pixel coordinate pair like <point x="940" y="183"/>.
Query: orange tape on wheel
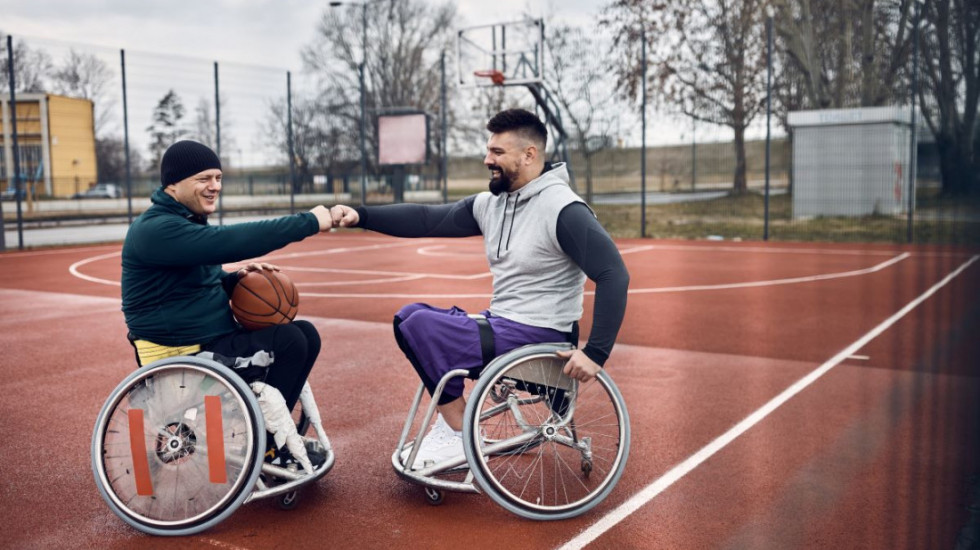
<point x="216" y="439"/>
<point x="137" y="447"/>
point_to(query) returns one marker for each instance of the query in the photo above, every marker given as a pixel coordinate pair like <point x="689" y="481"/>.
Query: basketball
<point x="264" y="298"/>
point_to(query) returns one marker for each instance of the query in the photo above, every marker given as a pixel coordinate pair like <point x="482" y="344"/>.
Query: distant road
<point x="656" y="198"/>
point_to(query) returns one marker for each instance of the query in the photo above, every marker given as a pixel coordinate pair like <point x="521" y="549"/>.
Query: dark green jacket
<point x="174" y="291"/>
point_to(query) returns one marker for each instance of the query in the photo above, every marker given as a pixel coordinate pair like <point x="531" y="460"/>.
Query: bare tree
<point x="708" y="59"/>
<point x="88" y="77"/>
<point x="950" y="61"/>
<point x="404" y="42"/>
<point x="847" y="53"/>
<point x="110" y="158"/>
<point x="205" y="127"/>
<point x="320" y="144"/>
<point x="31" y="67"/>
<point x="582" y="88"/>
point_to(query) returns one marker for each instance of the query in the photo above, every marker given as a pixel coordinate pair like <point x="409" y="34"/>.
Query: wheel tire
<point x="288" y="501"/>
<point x="146" y="480"/>
<point x="559" y="419"/>
<point x="433" y="496"/>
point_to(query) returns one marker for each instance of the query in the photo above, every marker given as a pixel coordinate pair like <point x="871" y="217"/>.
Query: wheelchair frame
<point x="513" y="388"/>
<point x="190" y="428"/>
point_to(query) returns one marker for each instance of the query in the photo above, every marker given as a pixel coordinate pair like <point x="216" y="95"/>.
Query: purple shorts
<point x="446" y="339"/>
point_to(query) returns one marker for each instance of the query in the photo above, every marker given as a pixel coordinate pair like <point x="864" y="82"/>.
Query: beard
<point x="501" y="183"/>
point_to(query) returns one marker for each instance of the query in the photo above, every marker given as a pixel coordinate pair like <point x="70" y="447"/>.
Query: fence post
<point x="217" y="138"/>
<point x="129" y="179"/>
<point x="289" y="141"/>
<point x="643" y="144"/>
<point x="445" y="154"/>
<point x="13" y="126"/>
<point x="765" y="225"/>
<point x="912" y="130"/>
<point x="694" y="152"/>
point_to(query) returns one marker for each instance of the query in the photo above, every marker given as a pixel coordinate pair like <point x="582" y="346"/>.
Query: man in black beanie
<point x="175" y="295"/>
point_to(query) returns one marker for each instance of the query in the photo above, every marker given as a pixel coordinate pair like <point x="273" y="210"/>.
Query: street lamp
<point x="360" y="75"/>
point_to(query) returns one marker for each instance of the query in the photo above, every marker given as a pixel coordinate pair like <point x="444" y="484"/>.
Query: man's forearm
<point x="419" y="220"/>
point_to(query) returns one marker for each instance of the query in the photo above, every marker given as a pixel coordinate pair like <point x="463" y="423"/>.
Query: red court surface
<point x="781" y="396"/>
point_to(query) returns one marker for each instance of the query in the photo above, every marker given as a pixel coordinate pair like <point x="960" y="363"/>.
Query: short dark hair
<point x="525" y="123"/>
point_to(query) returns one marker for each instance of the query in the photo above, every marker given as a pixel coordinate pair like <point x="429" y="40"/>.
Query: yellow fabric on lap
<point x="149" y="352"/>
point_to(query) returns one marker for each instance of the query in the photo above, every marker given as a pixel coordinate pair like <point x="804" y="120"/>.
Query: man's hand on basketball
<point x="256" y="266"/>
<point x="579" y="366"/>
<point x="344" y="216"/>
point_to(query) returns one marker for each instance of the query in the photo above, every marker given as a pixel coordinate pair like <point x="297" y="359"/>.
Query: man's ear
<point x="530" y="154"/>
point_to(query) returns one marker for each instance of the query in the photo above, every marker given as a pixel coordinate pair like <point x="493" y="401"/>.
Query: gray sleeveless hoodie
<point x="534" y="281"/>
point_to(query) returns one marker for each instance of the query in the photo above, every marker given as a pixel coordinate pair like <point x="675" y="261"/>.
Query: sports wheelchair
<point x="539" y="443"/>
<point x="180" y="443"/>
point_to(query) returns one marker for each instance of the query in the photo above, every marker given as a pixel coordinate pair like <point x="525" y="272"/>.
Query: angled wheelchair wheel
<point x="541" y="444"/>
<point x="178" y="446"/>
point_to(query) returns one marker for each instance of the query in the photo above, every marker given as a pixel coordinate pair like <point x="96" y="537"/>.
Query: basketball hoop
<point x="495" y="76"/>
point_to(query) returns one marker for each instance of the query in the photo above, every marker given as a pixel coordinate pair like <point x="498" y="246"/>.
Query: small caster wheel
<point x="586" y="468"/>
<point x="433" y="496"/>
<point x="287" y="501"/>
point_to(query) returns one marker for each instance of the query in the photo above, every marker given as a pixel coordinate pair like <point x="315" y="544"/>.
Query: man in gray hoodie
<point x="541" y="242"/>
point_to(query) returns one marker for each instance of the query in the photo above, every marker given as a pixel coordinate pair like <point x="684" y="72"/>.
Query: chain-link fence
<point x="91" y="124"/>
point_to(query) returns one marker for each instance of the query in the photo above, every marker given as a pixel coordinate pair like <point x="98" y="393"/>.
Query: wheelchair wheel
<point x="178" y="446"/>
<point x="541" y="444"/>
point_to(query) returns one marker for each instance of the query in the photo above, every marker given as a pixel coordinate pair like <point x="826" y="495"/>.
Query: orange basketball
<point x="264" y="298"/>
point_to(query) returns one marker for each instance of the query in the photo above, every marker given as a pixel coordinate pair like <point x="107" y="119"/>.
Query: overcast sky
<point x="267" y="33"/>
<point x="262" y="32"/>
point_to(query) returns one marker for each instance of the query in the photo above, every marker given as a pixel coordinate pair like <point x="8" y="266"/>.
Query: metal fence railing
<point x="284" y="147"/>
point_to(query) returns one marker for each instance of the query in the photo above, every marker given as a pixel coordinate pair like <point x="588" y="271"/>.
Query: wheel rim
<point x="196" y="450"/>
<point x="566" y="467"/>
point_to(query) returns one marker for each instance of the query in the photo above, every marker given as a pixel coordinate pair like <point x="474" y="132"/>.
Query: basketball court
<point x="781" y="395"/>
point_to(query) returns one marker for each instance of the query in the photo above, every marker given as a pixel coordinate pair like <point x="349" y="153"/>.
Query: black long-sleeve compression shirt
<point x="580" y="236"/>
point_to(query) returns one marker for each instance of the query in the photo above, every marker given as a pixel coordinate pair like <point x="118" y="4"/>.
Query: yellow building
<point x="55" y="140"/>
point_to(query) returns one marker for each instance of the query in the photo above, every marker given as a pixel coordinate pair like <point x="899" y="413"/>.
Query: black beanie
<point x="184" y="159"/>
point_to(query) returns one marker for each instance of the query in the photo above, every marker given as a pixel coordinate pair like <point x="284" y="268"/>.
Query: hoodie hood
<point x="557" y="174"/>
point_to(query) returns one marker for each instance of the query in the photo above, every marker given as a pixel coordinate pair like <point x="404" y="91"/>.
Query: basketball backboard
<point x="503" y="53"/>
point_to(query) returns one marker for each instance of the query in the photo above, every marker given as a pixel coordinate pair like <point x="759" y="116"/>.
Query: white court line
<point x="395" y="276"/>
<point x="677" y="472"/>
<point x="436" y="250"/>
<point x="775" y="282"/>
<point x="765" y="249"/>
<point x="396" y="244"/>
<point x="481" y="275"/>
<point x="73" y="269"/>
<point x="692" y="288"/>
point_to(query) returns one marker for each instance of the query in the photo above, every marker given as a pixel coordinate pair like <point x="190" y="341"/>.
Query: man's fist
<point x="323" y="217"/>
<point x="344" y="216"/>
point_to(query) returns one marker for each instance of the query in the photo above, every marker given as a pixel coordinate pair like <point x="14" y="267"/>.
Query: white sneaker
<point x="441" y="443"/>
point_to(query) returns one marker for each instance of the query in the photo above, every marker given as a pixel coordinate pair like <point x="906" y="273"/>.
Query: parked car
<point x="100" y="191"/>
<point x="9" y="194"/>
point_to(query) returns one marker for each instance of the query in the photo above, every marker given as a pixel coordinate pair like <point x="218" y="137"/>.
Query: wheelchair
<point x="180" y="443"/>
<point x="539" y="443"/>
